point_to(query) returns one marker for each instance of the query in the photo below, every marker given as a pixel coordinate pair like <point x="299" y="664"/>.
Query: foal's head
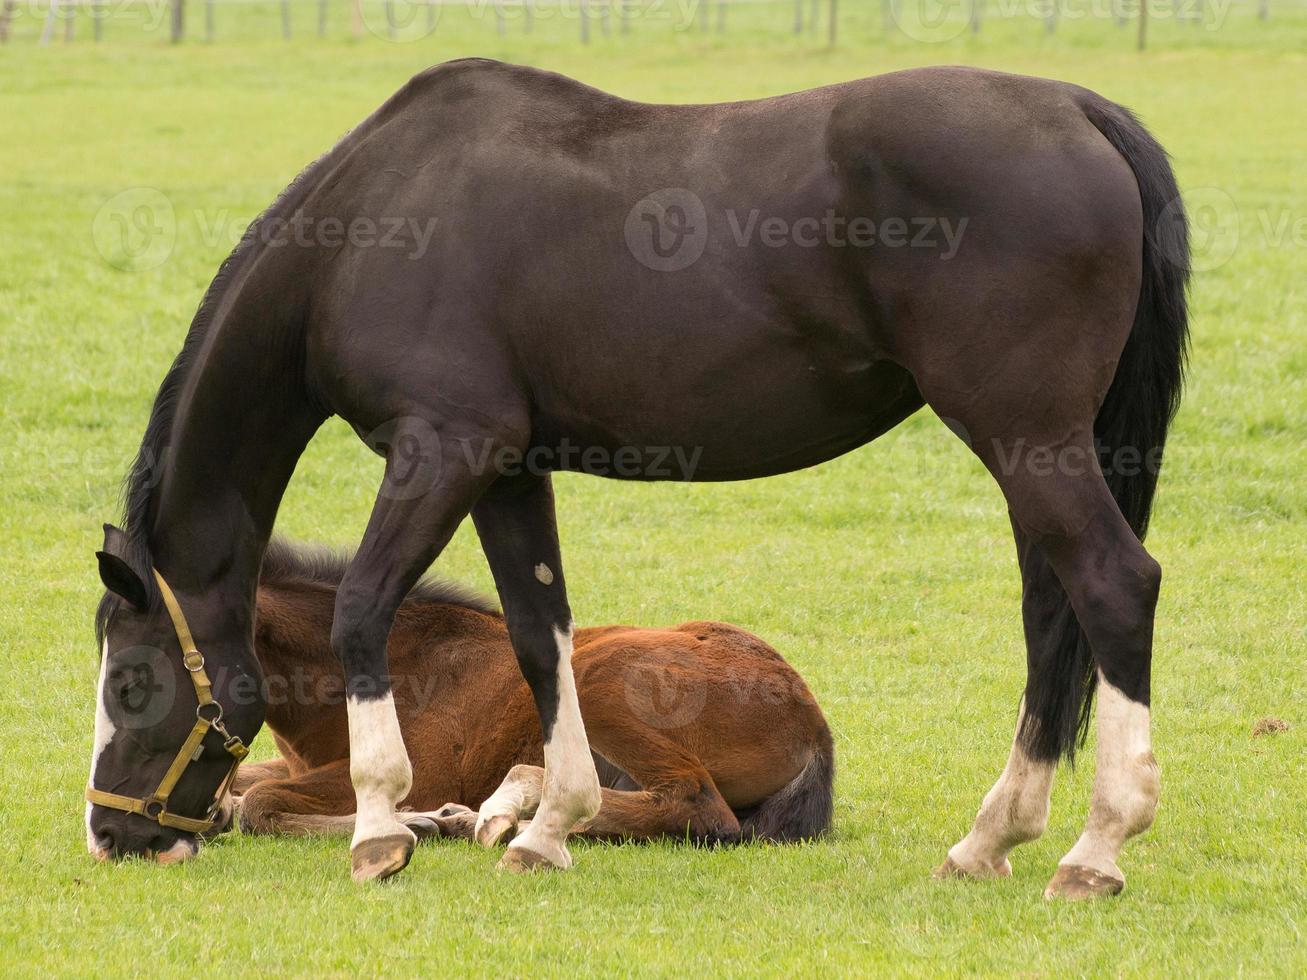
<point x="171" y="718"/>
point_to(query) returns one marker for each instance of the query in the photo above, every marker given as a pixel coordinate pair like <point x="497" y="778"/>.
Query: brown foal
<point x="699" y="731"/>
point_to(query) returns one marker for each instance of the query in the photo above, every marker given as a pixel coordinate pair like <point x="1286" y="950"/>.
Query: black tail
<point x="1131" y="426"/>
<point x="803" y="808"/>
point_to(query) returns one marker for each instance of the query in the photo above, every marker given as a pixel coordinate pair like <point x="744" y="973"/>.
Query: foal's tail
<point x="1131" y="426"/>
<point x="802" y="809"/>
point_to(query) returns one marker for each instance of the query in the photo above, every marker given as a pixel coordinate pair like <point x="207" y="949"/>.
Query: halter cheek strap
<point x="208" y="715"/>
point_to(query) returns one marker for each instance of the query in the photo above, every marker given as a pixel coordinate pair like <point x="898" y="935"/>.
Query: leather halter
<point x="208" y="715"/>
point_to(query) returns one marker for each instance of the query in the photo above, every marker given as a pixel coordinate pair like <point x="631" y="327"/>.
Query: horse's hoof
<point x="523" y="860"/>
<point x="1076" y="883"/>
<point x="494" y="830"/>
<point x="951" y="869"/>
<point x="380" y="857"/>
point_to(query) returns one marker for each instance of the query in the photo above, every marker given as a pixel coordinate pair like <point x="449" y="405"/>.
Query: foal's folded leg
<point x="256" y="772"/>
<point x="321" y="802"/>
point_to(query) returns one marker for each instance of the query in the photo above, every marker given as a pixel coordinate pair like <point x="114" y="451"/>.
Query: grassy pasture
<point x="887" y="577"/>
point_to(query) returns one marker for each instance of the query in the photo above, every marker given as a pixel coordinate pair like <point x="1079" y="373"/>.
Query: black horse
<point x="503" y="272"/>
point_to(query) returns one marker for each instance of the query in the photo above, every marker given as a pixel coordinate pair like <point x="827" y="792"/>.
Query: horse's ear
<point x="118" y="576"/>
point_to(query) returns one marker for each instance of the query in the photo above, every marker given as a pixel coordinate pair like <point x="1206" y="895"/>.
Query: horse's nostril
<point x="104" y="840"/>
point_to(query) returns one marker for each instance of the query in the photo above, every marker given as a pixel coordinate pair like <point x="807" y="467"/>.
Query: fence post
<point x="834" y="17"/>
<point x="356" y="18"/>
<point x="97" y="20"/>
<point x="6" y="15"/>
<point x="178" y="20"/>
<point x="499" y="19"/>
<point x="584" y="9"/>
<point x="1142" y="40"/>
<point x="798" y="16"/>
<point x="624" y="16"/>
<point x="208" y="21"/>
<point x="1263" y="10"/>
<point x="69" y="21"/>
<point x="285" y="20"/>
<point x="322" y="18"/>
<point x="976" y="6"/>
<point x="529" y="16"/>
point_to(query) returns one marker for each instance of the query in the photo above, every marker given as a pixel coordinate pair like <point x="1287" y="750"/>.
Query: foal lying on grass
<point x="702" y="730"/>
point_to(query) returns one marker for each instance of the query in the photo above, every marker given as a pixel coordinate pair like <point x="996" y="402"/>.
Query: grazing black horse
<point x="503" y="272"/>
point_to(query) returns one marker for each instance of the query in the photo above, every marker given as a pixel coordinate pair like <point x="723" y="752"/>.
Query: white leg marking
<point x="571" y="789"/>
<point x="104" y="732"/>
<point x="517" y="796"/>
<point x="1126" y="783"/>
<point x="1014" y="811"/>
<point x="378" y="767"/>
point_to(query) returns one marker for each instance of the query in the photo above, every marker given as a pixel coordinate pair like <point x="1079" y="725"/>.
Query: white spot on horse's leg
<point x="378" y="767"/>
<point x="104" y="732"/>
<point x="571" y="785"/>
<point x="1126" y="788"/>
<point x="1014" y="811"/>
<point x="544" y="575"/>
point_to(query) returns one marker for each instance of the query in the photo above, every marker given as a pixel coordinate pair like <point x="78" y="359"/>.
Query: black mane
<point x="288" y="564"/>
<point x="143" y="477"/>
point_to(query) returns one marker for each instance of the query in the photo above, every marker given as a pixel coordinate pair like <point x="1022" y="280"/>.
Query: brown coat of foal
<point x="702" y="730"/>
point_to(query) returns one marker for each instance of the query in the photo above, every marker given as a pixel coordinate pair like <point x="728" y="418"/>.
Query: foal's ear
<point x="118" y="576"/>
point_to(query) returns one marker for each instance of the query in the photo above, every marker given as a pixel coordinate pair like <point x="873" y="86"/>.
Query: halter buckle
<point x="193" y="661"/>
<point x="216" y="720"/>
<point x="154" y="814"/>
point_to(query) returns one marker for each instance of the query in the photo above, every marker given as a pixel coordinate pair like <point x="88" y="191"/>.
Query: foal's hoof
<point x="523" y="860"/>
<point x="422" y="825"/>
<point x="380" y="857"/>
<point x="951" y="869"/>
<point x="495" y="830"/>
<point x="1076" y="883"/>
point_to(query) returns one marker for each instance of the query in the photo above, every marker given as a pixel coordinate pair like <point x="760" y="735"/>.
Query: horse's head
<point x="173" y="716"/>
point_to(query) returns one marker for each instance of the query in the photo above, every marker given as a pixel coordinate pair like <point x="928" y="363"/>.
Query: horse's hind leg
<point x="1015" y="811"/>
<point x="515" y="520"/>
<point x="1061" y="505"/>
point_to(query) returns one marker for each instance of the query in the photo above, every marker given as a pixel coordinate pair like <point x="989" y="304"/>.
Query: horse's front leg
<point x="515" y="519"/>
<point x="411" y="522"/>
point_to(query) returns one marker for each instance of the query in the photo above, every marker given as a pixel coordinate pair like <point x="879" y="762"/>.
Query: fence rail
<point x="391" y="18"/>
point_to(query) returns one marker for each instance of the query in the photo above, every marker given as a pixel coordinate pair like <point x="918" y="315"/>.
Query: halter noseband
<point x="208" y="715"/>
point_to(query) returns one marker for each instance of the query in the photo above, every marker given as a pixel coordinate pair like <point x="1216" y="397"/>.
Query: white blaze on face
<point x="378" y="767"/>
<point x="571" y="790"/>
<point x="104" y="732"/>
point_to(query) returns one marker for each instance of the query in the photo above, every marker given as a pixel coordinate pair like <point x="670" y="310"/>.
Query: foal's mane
<point x="290" y="566"/>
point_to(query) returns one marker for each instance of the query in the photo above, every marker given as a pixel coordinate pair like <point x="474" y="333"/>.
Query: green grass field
<point x="887" y="577"/>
